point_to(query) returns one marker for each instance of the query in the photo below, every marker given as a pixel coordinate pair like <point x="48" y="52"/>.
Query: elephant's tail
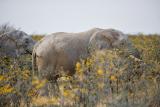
<point x="34" y="65"/>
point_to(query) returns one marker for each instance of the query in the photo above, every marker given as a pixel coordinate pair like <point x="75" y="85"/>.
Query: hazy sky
<point x="47" y="16"/>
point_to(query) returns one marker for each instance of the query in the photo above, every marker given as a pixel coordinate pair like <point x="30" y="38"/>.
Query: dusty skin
<point x="63" y="50"/>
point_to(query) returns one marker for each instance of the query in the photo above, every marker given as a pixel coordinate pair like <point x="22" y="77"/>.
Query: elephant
<point x="62" y="50"/>
<point x="14" y="42"/>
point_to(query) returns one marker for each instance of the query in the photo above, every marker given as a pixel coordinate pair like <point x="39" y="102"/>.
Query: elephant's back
<point x="63" y="41"/>
<point x="52" y="42"/>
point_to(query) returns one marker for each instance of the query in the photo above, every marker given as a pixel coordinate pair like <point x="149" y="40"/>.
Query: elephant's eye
<point x="123" y="43"/>
<point x="27" y="41"/>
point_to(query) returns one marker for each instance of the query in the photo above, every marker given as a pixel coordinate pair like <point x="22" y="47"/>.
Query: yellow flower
<point x="78" y="66"/>
<point x="89" y="62"/>
<point x="66" y="93"/>
<point x="113" y="78"/>
<point x="25" y="76"/>
<point x="6" y="89"/>
<point x="41" y="84"/>
<point x="35" y="81"/>
<point x="1" y="77"/>
<point x="100" y="72"/>
<point x="54" y="100"/>
<point x="32" y="92"/>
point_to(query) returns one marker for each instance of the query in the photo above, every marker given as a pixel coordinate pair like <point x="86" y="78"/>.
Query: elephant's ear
<point x="99" y="41"/>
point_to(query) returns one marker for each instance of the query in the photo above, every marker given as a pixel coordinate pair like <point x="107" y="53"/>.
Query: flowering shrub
<point x="114" y="78"/>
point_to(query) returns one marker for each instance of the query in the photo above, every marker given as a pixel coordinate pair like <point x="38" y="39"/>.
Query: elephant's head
<point x="19" y="43"/>
<point x="25" y="43"/>
<point x="28" y="44"/>
<point x="14" y="42"/>
<point x="107" y="38"/>
<point x="110" y="38"/>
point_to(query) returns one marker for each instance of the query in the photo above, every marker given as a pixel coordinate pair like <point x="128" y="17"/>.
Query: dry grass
<point x="112" y="78"/>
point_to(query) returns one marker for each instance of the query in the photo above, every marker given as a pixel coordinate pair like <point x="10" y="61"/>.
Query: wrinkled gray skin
<point x="63" y="50"/>
<point x="14" y="43"/>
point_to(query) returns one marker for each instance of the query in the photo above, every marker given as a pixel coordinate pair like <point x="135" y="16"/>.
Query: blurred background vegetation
<point x="112" y="78"/>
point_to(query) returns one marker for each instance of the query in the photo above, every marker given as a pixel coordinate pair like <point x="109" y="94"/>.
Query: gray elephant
<point x="63" y="50"/>
<point x="14" y="42"/>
